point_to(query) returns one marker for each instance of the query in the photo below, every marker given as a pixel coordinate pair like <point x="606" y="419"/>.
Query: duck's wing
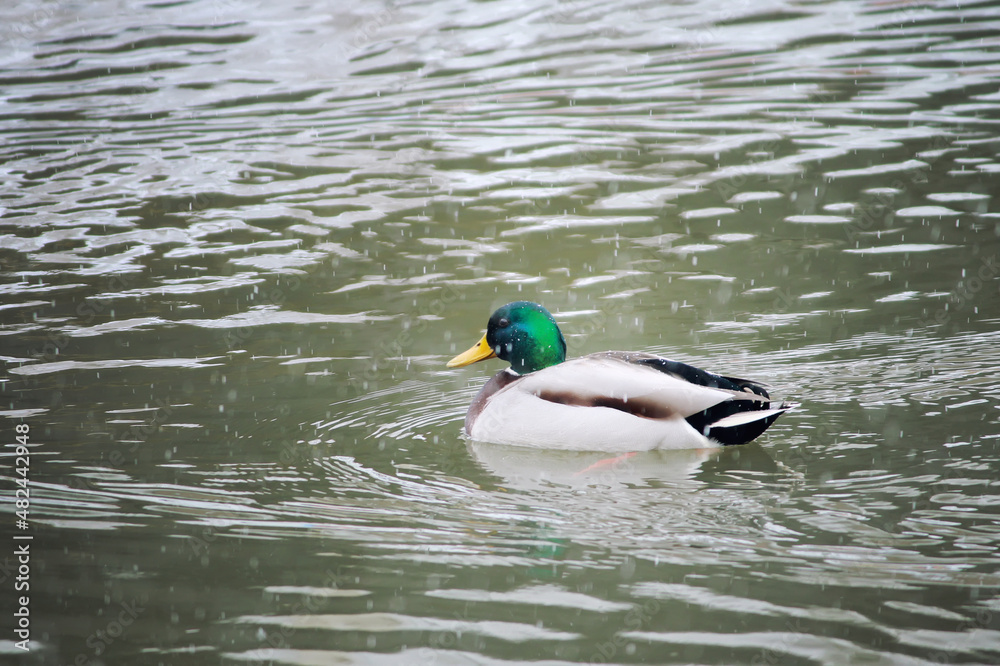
<point x="625" y="382"/>
<point x="692" y="374"/>
<point x="736" y="420"/>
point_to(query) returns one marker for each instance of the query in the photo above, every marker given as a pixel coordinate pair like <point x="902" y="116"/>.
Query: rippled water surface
<point x="240" y="240"/>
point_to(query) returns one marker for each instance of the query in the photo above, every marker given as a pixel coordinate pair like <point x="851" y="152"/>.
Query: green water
<point x="239" y="242"/>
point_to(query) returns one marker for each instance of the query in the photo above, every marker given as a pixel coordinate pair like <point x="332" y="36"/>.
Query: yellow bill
<point x="479" y="352"/>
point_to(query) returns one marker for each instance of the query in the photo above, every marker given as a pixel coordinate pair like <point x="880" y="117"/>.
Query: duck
<point x="610" y="401"/>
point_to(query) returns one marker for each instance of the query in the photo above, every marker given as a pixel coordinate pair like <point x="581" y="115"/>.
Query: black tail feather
<point x="743" y="433"/>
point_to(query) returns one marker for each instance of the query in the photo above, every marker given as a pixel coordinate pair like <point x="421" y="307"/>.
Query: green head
<point x="522" y="333"/>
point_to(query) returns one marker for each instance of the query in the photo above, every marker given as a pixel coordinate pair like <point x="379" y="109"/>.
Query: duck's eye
<point x="503" y="323"/>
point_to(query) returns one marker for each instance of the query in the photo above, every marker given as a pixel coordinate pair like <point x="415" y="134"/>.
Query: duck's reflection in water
<point x="537" y="469"/>
<point x="662" y="505"/>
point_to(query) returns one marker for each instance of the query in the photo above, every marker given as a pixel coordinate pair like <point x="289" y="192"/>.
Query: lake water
<point x="240" y="240"/>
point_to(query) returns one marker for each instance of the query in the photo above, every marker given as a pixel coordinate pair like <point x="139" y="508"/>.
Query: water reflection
<point x="540" y="470"/>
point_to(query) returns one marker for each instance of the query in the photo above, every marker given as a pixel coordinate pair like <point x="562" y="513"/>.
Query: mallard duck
<point x="610" y="401"/>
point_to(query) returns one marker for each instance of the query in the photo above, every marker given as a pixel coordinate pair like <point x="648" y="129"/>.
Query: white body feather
<point x="516" y="414"/>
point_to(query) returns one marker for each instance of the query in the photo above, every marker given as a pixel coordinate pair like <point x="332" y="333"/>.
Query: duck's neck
<point x="543" y="354"/>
